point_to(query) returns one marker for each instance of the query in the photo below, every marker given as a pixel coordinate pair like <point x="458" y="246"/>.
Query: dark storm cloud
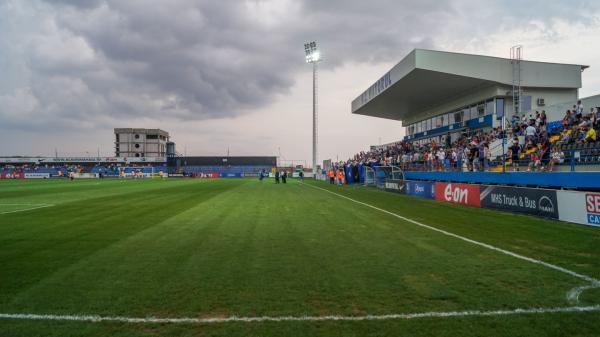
<point x="97" y="62"/>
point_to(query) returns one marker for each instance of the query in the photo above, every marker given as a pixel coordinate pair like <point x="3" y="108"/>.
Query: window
<point x="446" y="119"/>
<point x="499" y="108"/>
<point x="137" y="146"/>
<point x="466" y="114"/>
<point x="489" y="107"/>
<point x="451" y="119"/>
<point x="473" y="112"/>
<point x="480" y="110"/>
<point x="136" y="136"/>
<point x="151" y="136"/>
<point x="458" y="116"/>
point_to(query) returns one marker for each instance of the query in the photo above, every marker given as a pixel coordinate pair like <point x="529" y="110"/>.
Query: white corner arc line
<point x="594" y="282"/>
<point x="27" y="209"/>
<point x="208" y="320"/>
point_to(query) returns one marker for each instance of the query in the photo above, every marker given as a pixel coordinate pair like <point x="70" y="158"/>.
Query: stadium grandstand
<point x="479" y="114"/>
<point x="226" y="166"/>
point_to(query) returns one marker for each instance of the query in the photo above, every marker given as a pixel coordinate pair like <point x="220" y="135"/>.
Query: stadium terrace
<point x="465" y="112"/>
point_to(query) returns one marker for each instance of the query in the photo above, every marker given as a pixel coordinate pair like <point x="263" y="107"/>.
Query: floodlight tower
<point x="313" y="56"/>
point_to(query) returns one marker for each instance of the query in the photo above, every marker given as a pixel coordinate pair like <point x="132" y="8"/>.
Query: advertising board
<point x="36" y="175"/>
<point x="465" y="194"/>
<point x="231" y="175"/>
<point x="423" y="189"/>
<point x="534" y="201"/>
<point x="394" y="185"/>
<point x="579" y="207"/>
<point x="12" y="175"/>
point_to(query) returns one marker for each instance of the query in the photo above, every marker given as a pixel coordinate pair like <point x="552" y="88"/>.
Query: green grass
<point x="218" y="248"/>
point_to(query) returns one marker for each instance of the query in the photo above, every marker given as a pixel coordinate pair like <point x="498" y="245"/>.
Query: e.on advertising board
<point x="579" y="207"/>
<point x="458" y="193"/>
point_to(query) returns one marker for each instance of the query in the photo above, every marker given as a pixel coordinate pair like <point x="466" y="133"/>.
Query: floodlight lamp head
<point x="312" y="53"/>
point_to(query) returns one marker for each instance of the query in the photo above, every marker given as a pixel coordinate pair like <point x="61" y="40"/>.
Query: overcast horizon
<point x="231" y="75"/>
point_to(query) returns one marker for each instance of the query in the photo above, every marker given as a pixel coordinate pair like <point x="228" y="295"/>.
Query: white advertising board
<point x="37" y="175"/>
<point x="579" y="207"/>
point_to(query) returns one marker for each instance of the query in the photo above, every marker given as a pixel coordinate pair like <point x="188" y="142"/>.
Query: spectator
<point x="514" y="151"/>
<point x="530" y="132"/>
<point x="557" y="157"/>
<point x="590" y="135"/>
<point x="578" y="109"/>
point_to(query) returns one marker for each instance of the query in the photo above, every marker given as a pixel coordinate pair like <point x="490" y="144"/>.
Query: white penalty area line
<point x="572" y="295"/>
<point x="33" y="206"/>
<point x="230" y="319"/>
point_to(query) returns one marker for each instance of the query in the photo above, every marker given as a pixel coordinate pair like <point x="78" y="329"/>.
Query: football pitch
<point x="239" y="257"/>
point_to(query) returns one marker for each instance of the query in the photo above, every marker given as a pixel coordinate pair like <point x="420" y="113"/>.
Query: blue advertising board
<point x="230" y="175"/>
<point x="423" y="189"/>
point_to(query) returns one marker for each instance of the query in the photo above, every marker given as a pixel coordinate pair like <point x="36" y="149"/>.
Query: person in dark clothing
<point x="355" y="173"/>
<point x="276" y="177"/>
<point x="514" y="154"/>
<point x="301" y="174"/>
<point x="284" y="177"/>
<point x="545" y="157"/>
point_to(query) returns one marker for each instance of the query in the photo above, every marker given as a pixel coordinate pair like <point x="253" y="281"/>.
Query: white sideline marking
<point x="572" y="295"/>
<point x="25" y="209"/>
<point x="194" y="320"/>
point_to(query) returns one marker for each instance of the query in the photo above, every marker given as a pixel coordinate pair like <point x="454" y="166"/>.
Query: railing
<point x="378" y="175"/>
<point x="584" y="157"/>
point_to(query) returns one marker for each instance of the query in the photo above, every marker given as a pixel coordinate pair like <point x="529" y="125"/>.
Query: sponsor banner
<point x="37" y="175"/>
<point x="394" y="185"/>
<point x="532" y="201"/>
<point x="85" y="175"/>
<point x="42" y="160"/>
<point x="423" y="189"/>
<point x="579" y="207"/>
<point x="12" y="176"/>
<point x="231" y="175"/>
<point x="465" y="194"/>
<point x="175" y="175"/>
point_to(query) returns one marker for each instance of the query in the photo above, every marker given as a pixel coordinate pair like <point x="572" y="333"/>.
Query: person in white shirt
<point x="441" y="158"/>
<point x="530" y="132"/>
<point x="579" y="109"/>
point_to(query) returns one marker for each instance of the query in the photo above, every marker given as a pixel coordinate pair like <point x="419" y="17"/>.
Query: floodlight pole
<point x="315" y="121"/>
<point x="313" y="56"/>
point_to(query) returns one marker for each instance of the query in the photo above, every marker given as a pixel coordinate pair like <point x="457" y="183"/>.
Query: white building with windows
<point x="439" y="94"/>
<point x="140" y="143"/>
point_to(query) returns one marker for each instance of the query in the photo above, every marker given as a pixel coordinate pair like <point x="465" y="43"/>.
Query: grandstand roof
<point x="426" y="78"/>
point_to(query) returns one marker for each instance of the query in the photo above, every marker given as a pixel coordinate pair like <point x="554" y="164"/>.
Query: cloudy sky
<point x="231" y="74"/>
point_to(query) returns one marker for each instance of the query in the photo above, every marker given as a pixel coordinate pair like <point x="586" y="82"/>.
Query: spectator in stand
<point x="530" y="132"/>
<point x="486" y="157"/>
<point x="545" y="156"/>
<point x="544" y="118"/>
<point x="513" y="152"/>
<point x="578" y="109"/>
<point x="557" y="157"/>
<point x="590" y="135"/>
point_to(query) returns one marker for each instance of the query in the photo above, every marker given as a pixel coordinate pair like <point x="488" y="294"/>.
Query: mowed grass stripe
<point x="571" y="245"/>
<point x="50" y="240"/>
<point x="265" y="249"/>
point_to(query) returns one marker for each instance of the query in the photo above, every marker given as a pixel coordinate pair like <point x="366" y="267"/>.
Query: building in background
<point x="140" y="142"/>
